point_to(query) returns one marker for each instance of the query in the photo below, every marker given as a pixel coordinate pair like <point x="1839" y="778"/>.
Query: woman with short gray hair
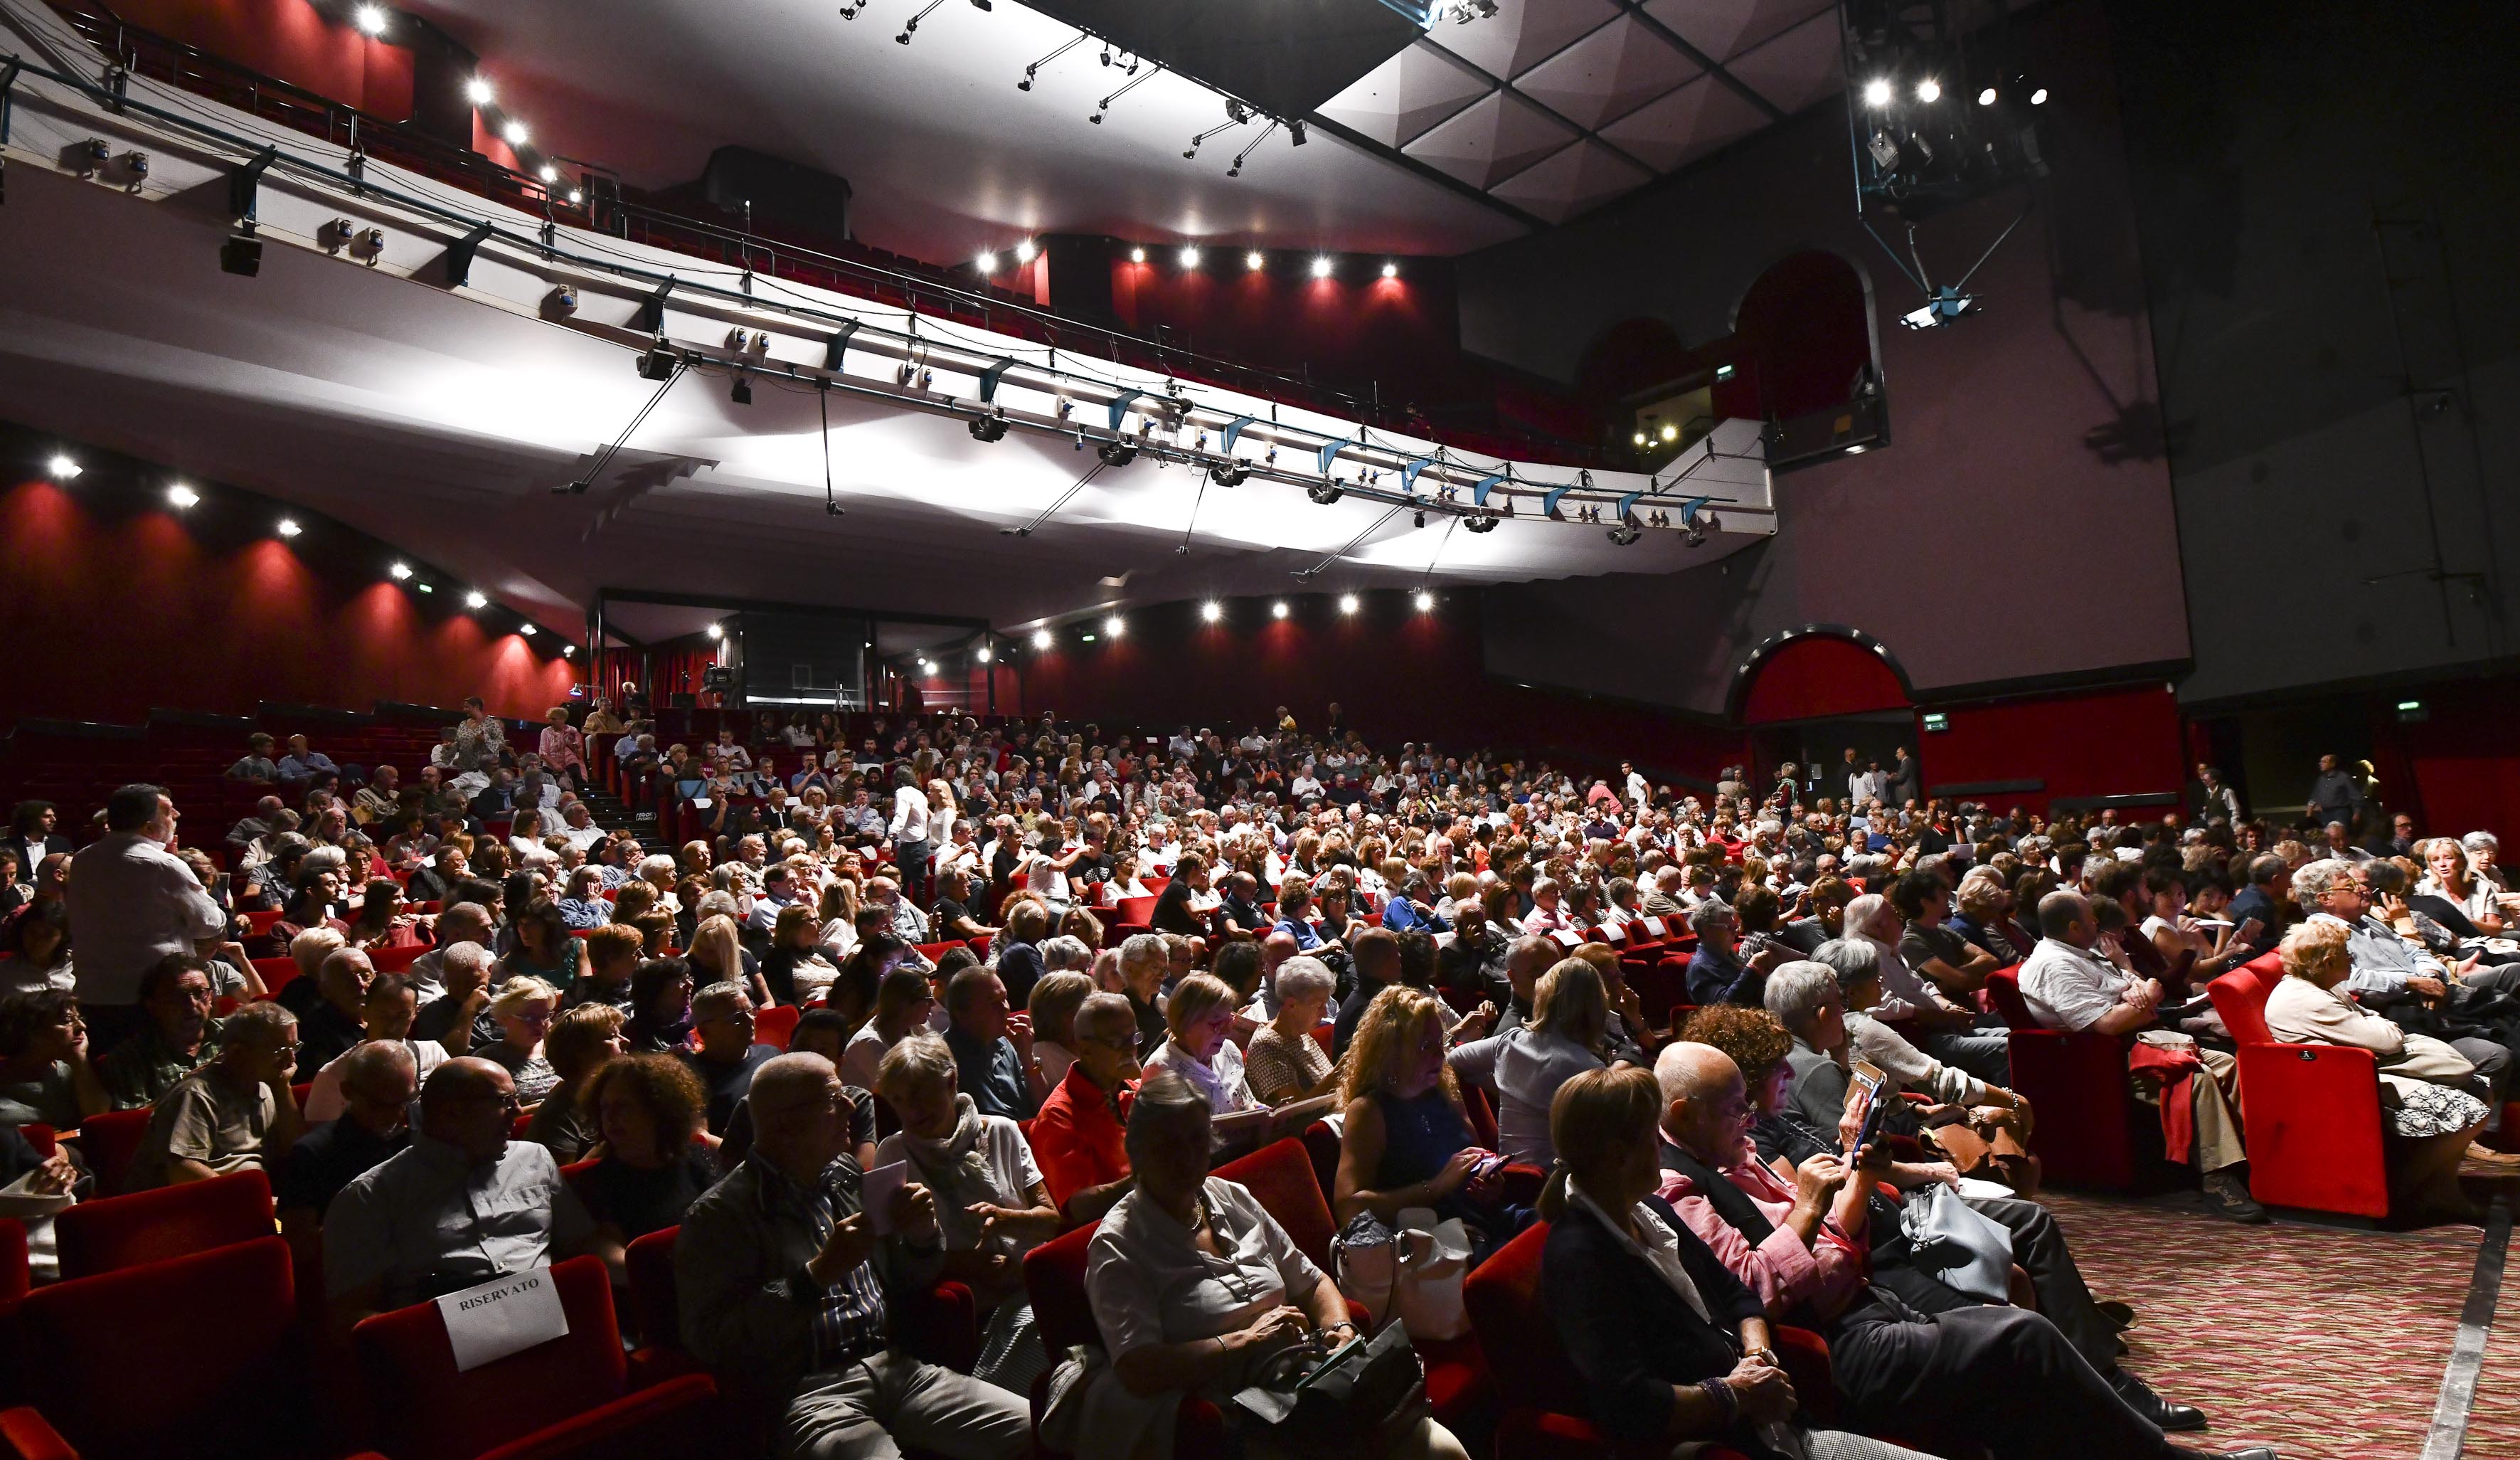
<point x="1284" y="1061"/>
<point x="1857" y="967"/>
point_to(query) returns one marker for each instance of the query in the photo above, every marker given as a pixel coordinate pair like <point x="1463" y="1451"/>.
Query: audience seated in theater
<point x="723" y="1053"/>
<point x="787" y="1291"/>
<point x="376" y="1083"/>
<point x="2434" y="1096"/>
<point x="233" y="1114"/>
<point x="1845" y="977"/>
<point x="45" y="1076"/>
<point x="176" y="1033"/>
<point x="992" y="1205"/>
<point x="1077" y="1138"/>
<point x="1777" y="1144"/>
<point x="1195" y="1286"/>
<point x="653" y="1158"/>
<point x="2069" y="986"/>
<point x="1926" y="1013"/>
<point x="661" y="1007"/>
<point x="993" y="1045"/>
<point x="331" y="1022"/>
<point x="386" y="1013"/>
<point x="460" y="1206"/>
<point x="1671" y="1348"/>
<point x="1568" y="1034"/>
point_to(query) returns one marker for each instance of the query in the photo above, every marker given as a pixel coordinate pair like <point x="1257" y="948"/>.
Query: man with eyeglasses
<point x="786" y="1289"/>
<point x="724" y="1055"/>
<point x="460" y="1206"/>
<point x="234" y="1113"/>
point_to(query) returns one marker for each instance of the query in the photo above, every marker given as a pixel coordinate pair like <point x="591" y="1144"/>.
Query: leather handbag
<point x="1965" y="1249"/>
<point x="1353" y="1403"/>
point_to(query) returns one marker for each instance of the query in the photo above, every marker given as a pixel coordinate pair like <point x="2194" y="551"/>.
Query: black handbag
<point x="1350" y="1403"/>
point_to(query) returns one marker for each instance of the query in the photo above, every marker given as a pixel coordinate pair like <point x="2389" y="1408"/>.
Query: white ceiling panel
<point x="1572" y="181"/>
<point x="1686" y="125"/>
<point x="1493" y="140"/>
<point x="1725" y="29"/>
<point x="1608" y="73"/>
<point x="1798" y="68"/>
<point x="1399" y="100"/>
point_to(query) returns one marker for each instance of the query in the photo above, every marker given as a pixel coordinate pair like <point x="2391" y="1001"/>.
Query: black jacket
<point x="1629" y="1335"/>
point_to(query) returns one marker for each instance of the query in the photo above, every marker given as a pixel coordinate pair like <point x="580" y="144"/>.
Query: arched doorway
<point x="1812" y="693"/>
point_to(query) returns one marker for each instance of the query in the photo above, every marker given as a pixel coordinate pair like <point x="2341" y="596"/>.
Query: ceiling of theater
<point x="1474" y="133"/>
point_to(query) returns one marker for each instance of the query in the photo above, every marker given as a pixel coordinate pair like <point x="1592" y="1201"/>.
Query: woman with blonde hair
<point x="2429" y="1091"/>
<point x="1406" y="1136"/>
<point x="1199" y="1017"/>
<point x="523" y="1008"/>
<point x="717" y="955"/>
<point x="1569" y="1033"/>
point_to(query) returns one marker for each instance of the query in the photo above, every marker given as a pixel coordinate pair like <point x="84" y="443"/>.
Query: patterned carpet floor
<point x="2326" y="1343"/>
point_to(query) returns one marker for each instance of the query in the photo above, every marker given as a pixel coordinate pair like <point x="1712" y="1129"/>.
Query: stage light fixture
<point x="990" y="428"/>
<point x="1255" y="261"/>
<point x="477" y="598"/>
<point x="1325" y="493"/>
<point x="1877" y="92"/>
<point x="370" y="18"/>
<point x="1929" y="91"/>
<point x="1626" y="534"/>
<point x="716" y="631"/>
<point x="479" y="92"/>
<point x="984" y="653"/>
<point x="987" y="263"/>
<point x="548" y="173"/>
<point x="576" y="196"/>
<point x="1670" y="432"/>
<point x="516" y="132"/>
<point x="1117" y="453"/>
<point x="1425" y="602"/>
<point x="1136" y="255"/>
<point x="1189" y="256"/>
<point x="1322" y="268"/>
<point x="182" y="495"/>
<point x="401" y="572"/>
<point x="1025" y="251"/>
<point x="1229" y="473"/>
<point x="657" y="364"/>
<point x="1481" y="522"/>
<point x="1348" y="602"/>
<point x="1211" y="612"/>
<point x="742" y="394"/>
<point x="1278" y="610"/>
<point x="62" y="468"/>
<point x="241" y="253"/>
<point x="1420" y="518"/>
<point x="1986" y="98"/>
<point x="1639" y="439"/>
<point x="1041" y="638"/>
<point x="1115" y="627"/>
<point x="288" y="526"/>
<point x="1390" y="270"/>
<point x="525" y="629"/>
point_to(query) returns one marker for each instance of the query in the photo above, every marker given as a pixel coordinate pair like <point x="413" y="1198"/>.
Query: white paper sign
<point x="505" y="1315"/>
<point x="1657" y="926"/>
<point x="878" y="1192"/>
<point x="1567" y="937"/>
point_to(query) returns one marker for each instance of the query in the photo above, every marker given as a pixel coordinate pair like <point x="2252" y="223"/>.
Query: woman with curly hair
<point x="1406" y="1137"/>
<point x="653" y="1158"/>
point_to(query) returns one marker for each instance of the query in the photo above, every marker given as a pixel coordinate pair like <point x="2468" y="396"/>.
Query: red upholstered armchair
<point x="236" y="1389"/>
<point x="2076" y="1082"/>
<point x="1546" y="1412"/>
<point x="173" y="1221"/>
<point x="1054" y="1279"/>
<point x="545" y="1401"/>
<point x="108" y="1141"/>
<point x="2313" y="1110"/>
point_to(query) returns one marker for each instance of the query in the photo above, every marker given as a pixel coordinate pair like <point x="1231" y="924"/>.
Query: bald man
<point x="786" y="1289"/>
<point x="461" y="1206"/>
<point x="1972" y="1375"/>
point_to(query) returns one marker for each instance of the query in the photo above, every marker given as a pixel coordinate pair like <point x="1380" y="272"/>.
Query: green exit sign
<point x="1936" y="722"/>
<point x="2411" y="711"/>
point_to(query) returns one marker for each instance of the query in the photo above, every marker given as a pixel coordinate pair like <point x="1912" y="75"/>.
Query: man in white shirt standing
<point x="910" y="831"/>
<point x="2068" y="986"/>
<point x="131" y="902"/>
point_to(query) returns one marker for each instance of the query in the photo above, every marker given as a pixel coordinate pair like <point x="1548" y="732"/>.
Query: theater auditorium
<point x="1258" y="730"/>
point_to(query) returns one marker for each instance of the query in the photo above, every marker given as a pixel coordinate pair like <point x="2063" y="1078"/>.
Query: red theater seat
<point x="777" y="1025"/>
<point x="1055" y="1280"/>
<point x="2313" y="1110"/>
<point x="2078" y="1084"/>
<point x="108" y="1141"/>
<point x="173" y="1221"/>
<point x="191" y="1358"/>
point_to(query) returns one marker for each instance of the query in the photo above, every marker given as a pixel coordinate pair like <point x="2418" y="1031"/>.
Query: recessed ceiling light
<point x="1278" y="610"/>
<point x="1024" y="252"/>
<point x="1255" y="261"/>
<point x="516" y="132"/>
<point x="400" y="571"/>
<point x="1322" y="268"/>
<point x="475" y="600"/>
<point x="1136" y="255"/>
<point x="479" y="91"/>
<point x="1347" y="603"/>
<point x="1041" y="638"/>
<point x="182" y="495"/>
<point x="1211" y="611"/>
<point x="1189" y="257"/>
<point x="1113" y="626"/>
<point x="370" y="18"/>
<point x="1390" y="270"/>
<point x="62" y="468"/>
<point x="1877" y="92"/>
<point x="987" y="263"/>
<point x="1425" y="602"/>
<point x="288" y="526"/>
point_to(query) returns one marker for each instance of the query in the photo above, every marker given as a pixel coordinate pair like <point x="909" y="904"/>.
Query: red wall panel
<point x="110" y="615"/>
<point x="289" y="39"/>
<point x="2117" y="741"/>
<point x="1819" y="675"/>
